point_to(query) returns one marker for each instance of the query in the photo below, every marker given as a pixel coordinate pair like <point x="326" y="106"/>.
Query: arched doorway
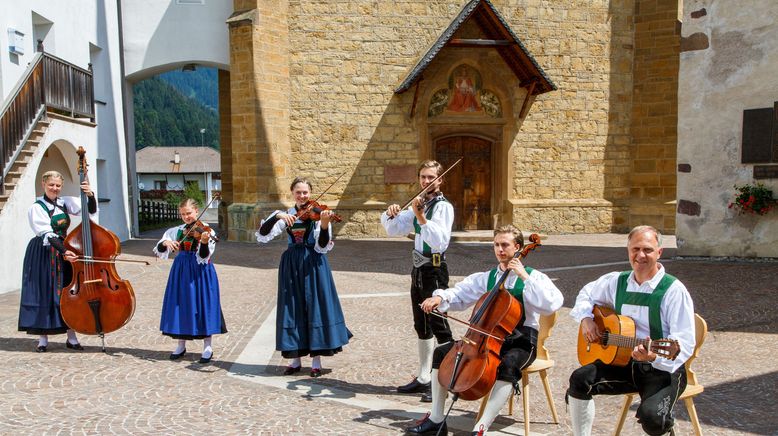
<point x="468" y="186"/>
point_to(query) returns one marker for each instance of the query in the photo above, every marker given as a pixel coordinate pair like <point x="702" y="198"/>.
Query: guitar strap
<point x="517" y="291"/>
<point x="652" y="300"/>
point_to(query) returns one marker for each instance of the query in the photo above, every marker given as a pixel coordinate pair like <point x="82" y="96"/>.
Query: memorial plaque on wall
<point x="399" y="174"/>
<point x="765" y="171"/>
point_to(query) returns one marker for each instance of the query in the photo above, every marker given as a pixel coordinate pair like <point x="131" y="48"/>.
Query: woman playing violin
<point x="537" y="295"/>
<point x="191" y="308"/>
<point x="45" y="273"/>
<point x="309" y="318"/>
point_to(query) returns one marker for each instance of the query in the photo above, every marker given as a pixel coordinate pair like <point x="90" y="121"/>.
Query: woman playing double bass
<point x="45" y="271"/>
<point x="537" y="295"/>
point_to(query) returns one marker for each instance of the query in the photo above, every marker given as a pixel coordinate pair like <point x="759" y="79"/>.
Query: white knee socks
<point x="43" y="340"/>
<point x="296" y="363"/>
<point x="207" y="350"/>
<point x="426" y="347"/>
<point x="181" y="347"/>
<point x="72" y="337"/>
<point x="316" y="362"/>
<point x="501" y="393"/>
<point x="581" y="416"/>
<point x="439" y="394"/>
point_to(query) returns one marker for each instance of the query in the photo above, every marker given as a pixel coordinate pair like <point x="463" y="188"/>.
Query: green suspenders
<point x="653" y="301"/>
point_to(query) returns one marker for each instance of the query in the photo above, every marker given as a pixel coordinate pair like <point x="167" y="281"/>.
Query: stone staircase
<point x="22" y="161"/>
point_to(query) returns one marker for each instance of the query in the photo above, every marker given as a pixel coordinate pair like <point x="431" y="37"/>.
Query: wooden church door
<point x="468" y="186"/>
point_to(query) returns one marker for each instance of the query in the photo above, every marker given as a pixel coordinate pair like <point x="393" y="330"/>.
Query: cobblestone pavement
<point x="135" y="389"/>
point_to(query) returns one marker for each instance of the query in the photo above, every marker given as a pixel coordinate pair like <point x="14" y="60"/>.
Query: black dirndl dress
<point x="45" y="273"/>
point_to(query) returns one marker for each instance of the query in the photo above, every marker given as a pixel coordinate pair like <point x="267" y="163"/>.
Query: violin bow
<point x="429" y="185"/>
<point x="329" y="187"/>
<point x="202" y="212"/>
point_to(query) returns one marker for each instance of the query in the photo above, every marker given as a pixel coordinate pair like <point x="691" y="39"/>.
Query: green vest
<point x="517" y="291"/>
<point x="59" y="222"/>
<point x="653" y="301"/>
<point x="427" y="251"/>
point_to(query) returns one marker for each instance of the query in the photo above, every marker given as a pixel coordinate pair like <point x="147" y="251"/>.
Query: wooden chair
<point x="541" y="365"/>
<point x="693" y="387"/>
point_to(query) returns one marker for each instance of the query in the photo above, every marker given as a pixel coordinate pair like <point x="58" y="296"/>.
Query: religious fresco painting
<point x="465" y="96"/>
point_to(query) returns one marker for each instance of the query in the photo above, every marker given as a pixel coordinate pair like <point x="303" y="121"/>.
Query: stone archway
<point x="60" y="156"/>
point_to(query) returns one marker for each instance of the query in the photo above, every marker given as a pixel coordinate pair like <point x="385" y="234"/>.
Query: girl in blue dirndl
<point x="45" y="269"/>
<point x="309" y="319"/>
<point x="191" y="308"/>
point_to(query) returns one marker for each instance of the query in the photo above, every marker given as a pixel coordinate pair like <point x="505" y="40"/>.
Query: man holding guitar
<point x="648" y="303"/>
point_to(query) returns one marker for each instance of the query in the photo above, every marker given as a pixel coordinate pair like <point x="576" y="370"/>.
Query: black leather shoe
<point x="40" y="349"/>
<point x="413" y="387"/>
<point x="292" y="369"/>
<point x="315" y="372"/>
<point x="205" y="359"/>
<point x="426" y="397"/>
<point x="75" y="346"/>
<point x="174" y="356"/>
<point x="427" y="427"/>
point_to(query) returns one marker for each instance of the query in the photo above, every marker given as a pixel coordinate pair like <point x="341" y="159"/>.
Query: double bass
<point x="96" y="301"/>
<point x="469" y="370"/>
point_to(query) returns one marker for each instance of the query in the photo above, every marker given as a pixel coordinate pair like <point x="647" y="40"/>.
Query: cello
<point x="97" y="300"/>
<point x="469" y="370"/>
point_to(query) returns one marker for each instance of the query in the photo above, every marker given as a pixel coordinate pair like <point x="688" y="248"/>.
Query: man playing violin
<point x="661" y="307"/>
<point x="431" y="217"/>
<point x="537" y="295"/>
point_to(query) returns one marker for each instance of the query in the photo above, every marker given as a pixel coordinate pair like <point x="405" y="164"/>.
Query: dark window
<point x="760" y="129"/>
<point x="160" y="184"/>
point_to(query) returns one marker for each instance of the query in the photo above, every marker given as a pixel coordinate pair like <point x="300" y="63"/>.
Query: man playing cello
<point x="659" y="305"/>
<point x="537" y="295"/>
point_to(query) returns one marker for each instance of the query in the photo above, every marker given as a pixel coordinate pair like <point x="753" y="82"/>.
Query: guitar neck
<point x="626" y="341"/>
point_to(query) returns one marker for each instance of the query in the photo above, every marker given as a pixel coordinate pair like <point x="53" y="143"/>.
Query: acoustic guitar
<point x="618" y="340"/>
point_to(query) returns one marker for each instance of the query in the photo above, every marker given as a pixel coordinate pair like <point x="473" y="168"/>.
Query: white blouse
<point x="436" y="232"/>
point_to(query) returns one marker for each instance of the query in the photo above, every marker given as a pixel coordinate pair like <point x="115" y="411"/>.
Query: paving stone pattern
<point x="135" y="389"/>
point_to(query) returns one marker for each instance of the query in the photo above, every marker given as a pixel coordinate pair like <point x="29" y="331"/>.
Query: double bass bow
<point x="96" y="301"/>
<point x="469" y="370"/>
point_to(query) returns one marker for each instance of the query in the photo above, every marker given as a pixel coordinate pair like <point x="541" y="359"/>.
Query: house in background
<point x="163" y="169"/>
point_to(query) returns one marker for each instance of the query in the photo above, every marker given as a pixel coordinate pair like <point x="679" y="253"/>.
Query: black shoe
<point x="414" y="387"/>
<point x="174" y="356"/>
<point x="205" y="359"/>
<point x="426" y="397"/>
<point x="315" y="372"/>
<point x="40" y="349"/>
<point x="75" y="346"/>
<point x="292" y="369"/>
<point x="427" y="427"/>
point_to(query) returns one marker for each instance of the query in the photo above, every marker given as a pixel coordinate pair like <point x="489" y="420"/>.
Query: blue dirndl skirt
<point x="45" y="273"/>
<point x="309" y="318"/>
<point x="191" y="308"/>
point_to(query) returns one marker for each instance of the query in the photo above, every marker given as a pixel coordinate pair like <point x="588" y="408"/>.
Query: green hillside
<point x="164" y="116"/>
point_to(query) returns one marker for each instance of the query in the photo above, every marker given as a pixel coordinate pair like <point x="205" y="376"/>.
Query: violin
<point x="97" y="300"/>
<point x="312" y="211"/>
<point x="469" y="370"/>
<point x="196" y="230"/>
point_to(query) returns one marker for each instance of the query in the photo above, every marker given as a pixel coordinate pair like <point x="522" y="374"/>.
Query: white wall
<point x="163" y="35"/>
<point x="736" y="72"/>
<point x="61" y="40"/>
<point x="14" y="225"/>
<point x="79" y="32"/>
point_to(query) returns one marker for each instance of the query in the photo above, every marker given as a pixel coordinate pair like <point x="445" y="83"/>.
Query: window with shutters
<point x="760" y="135"/>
